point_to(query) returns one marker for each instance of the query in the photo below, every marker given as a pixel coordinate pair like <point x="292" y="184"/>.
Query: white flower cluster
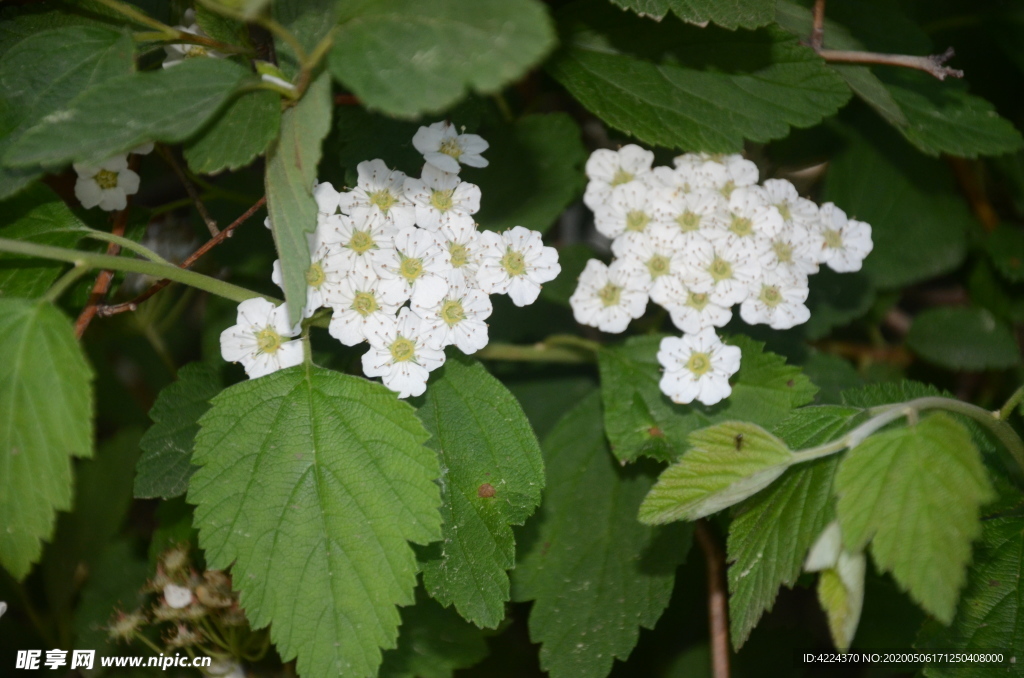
<point x="400" y="262"/>
<point x="698" y="239"/>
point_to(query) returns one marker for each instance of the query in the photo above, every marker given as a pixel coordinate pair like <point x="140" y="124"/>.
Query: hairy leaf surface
<point x="727" y="13"/>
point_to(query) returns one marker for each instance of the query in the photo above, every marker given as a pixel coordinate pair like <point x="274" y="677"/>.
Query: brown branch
<point x="211" y="224"/>
<point x="346" y="100"/>
<point x="103" y="278"/>
<point x="818" y="29"/>
<point x="971" y="185"/>
<point x="718" y="612"/>
<point x="187" y="263"/>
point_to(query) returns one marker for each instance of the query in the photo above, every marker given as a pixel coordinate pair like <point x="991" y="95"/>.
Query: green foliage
<point x="594" y="574"/>
<point x="1006" y="247"/>
<point x="930" y="475"/>
<point x="46" y="402"/>
<point x="771" y="532"/>
<point x="432" y="643"/>
<point x="730" y="14"/>
<point x="472" y="44"/>
<point x="310" y="485"/>
<point x="166" y="462"/>
<point x="641" y="420"/>
<point x="681" y="86"/>
<point x="726" y="463"/>
<point x="963" y="339"/>
<point x="236" y="138"/>
<point x="291" y="173"/>
<point x="492" y="475"/>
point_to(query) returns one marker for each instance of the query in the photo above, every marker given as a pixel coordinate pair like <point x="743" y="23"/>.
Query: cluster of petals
<point x="698" y="239"/>
<point x="403" y="267"/>
<point x="108" y="184"/>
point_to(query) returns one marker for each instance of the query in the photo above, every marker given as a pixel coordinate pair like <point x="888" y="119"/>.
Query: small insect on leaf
<point x="486" y="491"/>
<point x="739" y="441"/>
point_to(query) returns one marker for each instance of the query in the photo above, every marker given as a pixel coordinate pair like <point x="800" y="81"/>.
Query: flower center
<point x="106" y="179"/>
<point x="833" y="239"/>
<point x="441" y="200"/>
<point x="697" y="301"/>
<point x="268" y="341"/>
<point x="688" y="221"/>
<point x="636" y="220"/>
<point x="460" y="257"/>
<point x="411" y="268"/>
<point x="382" y="199"/>
<point x="770" y="295"/>
<point x="452" y="312"/>
<point x="741" y="226"/>
<point x="513" y="263"/>
<point x="403" y="350"/>
<point x="783" y="252"/>
<point x="364" y="303"/>
<point x="720" y="269"/>
<point x="610" y="294"/>
<point x="194" y="51"/>
<point x="621" y="177"/>
<point x="315" y="275"/>
<point x="450" y="146"/>
<point x="699" y="364"/>
<point x="658" y="265"/>
<point x="784" y="210"/>
<point x="360" y="242"/>
<point x="729" y="187"/>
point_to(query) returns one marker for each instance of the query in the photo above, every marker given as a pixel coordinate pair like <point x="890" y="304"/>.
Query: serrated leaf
<point x="915" y="493"/>
<point x="492" y="475"/>
<point x="546" y="399"/>
<point x="595" y="575"/>
<point x="166" y="462"/>
<point x="1005" y="246"/>
<point x="841" y="595"/>
<point x="408" y="57"/>
<point x="990" y="616"/>
<point x="963" y="339"/>
<point x="432" y="643"/>
<point x="835" y="300"/>
<point x="727" y="13"/>
<point x="772" y="530"/>
<point x="680" y="86"/>
<point x="919" y="223"/>
<point x="309" y="21"/>
<point x="291" y="173"/>
<point x="535" y="170"/>
<point x="236" y="138"/>
<point x="641" y="420"/>
<point x="311" y="484"/>
<point x="46" y="402"/>
<point x="168" y="105"/>
<point x="726" y="463"/>
<point x="219" y="27"/>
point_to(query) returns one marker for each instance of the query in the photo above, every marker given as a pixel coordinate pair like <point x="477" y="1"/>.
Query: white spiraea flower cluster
<point x="698" y="239"/>
<point x="401" y="264"/>
<point x="108" y="184"/>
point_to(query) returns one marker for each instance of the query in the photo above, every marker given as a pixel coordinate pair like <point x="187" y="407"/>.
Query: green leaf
<point x="492" y="475"/>
<point x="770" y="535"/>
<point x="836" y="299"/>
<point x="407" y="57"/>
<point x="963" y="339"/>
<point x="166" y="462"/>
<point x="535" y="171"/>
<point x="291" y="173"/>
<point x="726" y="463"/>
<point x="1005" y="246"/>
<point x="681" y="86"/>
<point x="309" y="21"/>
<point x="594" y="574"/>
<point x="238" y="136"/>
<point x="38" y="216"/>
<point x="728" y="13"/>
<point x="432" y="643"/>
<point x="918" y="220"/>
<point x="990" y="615"/>
<point x="46" y="404"/>
<point x="641" y="420"/>
<point x="546" y="399"/>
<point x="219" y="27"/>
<point x="311" y="483"/>
<point x="168" y="105"/>
<point x="915" y="493"/>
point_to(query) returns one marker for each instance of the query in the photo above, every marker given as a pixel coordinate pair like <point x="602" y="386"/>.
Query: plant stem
<point x="126" y="244"/>
<point x="718" y="608"/>
<point x="1007" y="409"/>
<point x="64" y="282"/>
<point x="169" y="158"/>
<point x="114" y="263"/>
<point x="139" y="17"/>
<point x="539" y="353"/>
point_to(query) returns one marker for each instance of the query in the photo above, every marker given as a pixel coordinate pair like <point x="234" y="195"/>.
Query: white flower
<point x="845" y="242"/>
<point x="364" y="243"/>
<point x="327" y="198"/>
<point x="464" y="248"/>
<point x="258" y="341"/>
<point x="753" y="221"/>
<point x="416" y="269"/>
<point x="699" y="209"/>
<point x="516" y="262"/>
<point x="691" y="308"/>
<point x="777" y="301"/>
<point x="379" y="192"/>
<point x="359" y="309"/>
<point x="791" y="206"/>
<point x="724" y="173"/>
<point x="108" y="184"/>
<point x="651" y="258"/>
<point x="457" y="319"/>
<point x="607" y="169"/>
<point x="178" y="52"/>
<point x="399" y="354"/>
<point x="176" y="596"/>
<point x="327" y="268"/>
<point x="444" y="148"/>
<point x="627" y="210"/>
<point x="726" y="271"/>
<point x="606" y="298"/>
<point x="442" y="200"/>
<point x="697" y="367"/>
<point x="793" y="251"/>
<point x="222" y="668"/>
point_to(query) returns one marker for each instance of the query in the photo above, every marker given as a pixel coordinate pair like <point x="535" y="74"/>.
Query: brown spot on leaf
<point x="790" y="383"/>
<point x="486" y="491"/>
<point x="655" y="432"/>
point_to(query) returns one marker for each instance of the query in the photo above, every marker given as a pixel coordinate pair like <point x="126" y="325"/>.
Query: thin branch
<point x="818" y="29"/>
<point x="718" y="612"/>
<point x="187" y="263"/>
<point x="167" y="155"/>
<point x="106" y="277"/>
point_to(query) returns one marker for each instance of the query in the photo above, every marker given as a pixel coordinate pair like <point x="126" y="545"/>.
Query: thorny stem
<point x="718" y="613"/>
<point x="168" y="156"/>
